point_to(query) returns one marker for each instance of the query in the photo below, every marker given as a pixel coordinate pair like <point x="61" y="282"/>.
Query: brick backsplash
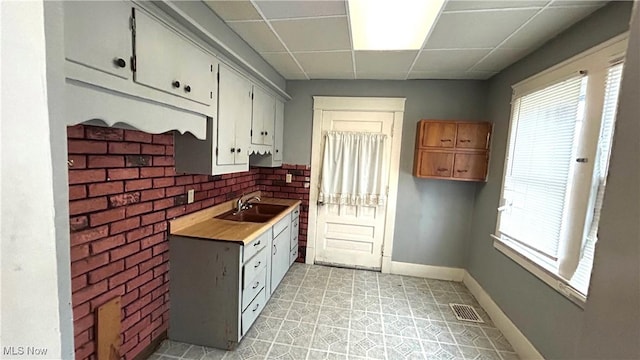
<point x="123" y="189"/>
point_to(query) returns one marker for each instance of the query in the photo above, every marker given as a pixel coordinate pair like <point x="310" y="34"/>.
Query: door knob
<point x="233" y="150"/>
<point x="187" y="88"/>
<point x="238" y="150"/>
<point x="176" y="84"/>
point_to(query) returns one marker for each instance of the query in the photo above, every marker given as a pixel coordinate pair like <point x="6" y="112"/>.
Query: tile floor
<point x="321" y="312"/>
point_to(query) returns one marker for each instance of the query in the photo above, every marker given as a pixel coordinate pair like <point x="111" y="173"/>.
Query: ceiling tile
<point x="384" y="62"/>
<point x="331" y="75"/>
<point x="234" y="10"/>
<point x="459" y="75"/>
<point x="326" y="62"/>
<point x="381" y="75"/>
<point x="578" y="3"/>
<point x="448" y="60"/>
<point x="459" y="5"/>
<point x="314" y="34"/>
<point x="476" y="30"/>
<point x="499" y="59"/>
<point x="301" y="9"/>
<point x="258" y="35"/>
<point x="285" y="65"/>
<point x="546" y="25"/>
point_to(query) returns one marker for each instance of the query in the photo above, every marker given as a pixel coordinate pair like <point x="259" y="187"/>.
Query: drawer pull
<point x="465" y="141"/>
<point x="257" y="243"/>
<point x="256" y="285"/>
<point x="462" y="171"/>
<point x="445" y="140"/>
<point x="256" y="307"/>
<point x="443" y="169"/>
<point x="258" y="264"/>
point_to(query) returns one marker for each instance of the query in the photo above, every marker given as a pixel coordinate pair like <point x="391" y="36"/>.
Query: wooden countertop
<point x="203" y="224"/>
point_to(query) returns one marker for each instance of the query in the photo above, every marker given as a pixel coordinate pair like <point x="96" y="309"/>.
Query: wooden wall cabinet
<point x="452" y="150"/>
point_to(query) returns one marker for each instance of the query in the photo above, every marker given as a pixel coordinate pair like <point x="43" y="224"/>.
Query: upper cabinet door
<point x="438" y="134"/>
<point x="473" y="136"/>
<point x="263" y="117"/>
<point x="168" y="62"/>
<point x="279" y="131"/>
<point x="98" y="35"/>
<point x="234" y="117"/>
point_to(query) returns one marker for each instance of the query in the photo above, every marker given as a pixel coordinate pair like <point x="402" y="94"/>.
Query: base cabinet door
<point x="280" y="255"/>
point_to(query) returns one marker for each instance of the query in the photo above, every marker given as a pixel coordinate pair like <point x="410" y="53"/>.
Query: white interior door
<point x="349" y="235"/>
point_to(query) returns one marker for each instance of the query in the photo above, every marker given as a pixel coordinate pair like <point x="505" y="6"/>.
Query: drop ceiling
<point x="307" y="39"/>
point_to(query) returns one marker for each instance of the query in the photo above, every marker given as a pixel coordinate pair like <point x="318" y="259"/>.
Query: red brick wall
<point x="122" y="190"/>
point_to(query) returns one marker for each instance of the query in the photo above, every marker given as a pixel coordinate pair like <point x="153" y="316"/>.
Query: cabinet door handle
<point x="465" y="140"/>
<point x="233" y="149"/>
<point x="462" y="171"/>
<point x="256" y="307"/>
<point x="256" y="285"/>
<point x="277" y="150"/>
<point x="120" y="62"/>
<point x="176" y="84"/>
<point x="238" y="150"/>
<point x="257" y="243"/>
<point x="266" y="133"/>
<point x="187" y="88"/>
<point x="443" y="169"/>
<point x="445" y="140"/>
<point x="261" y="132"/>
<point x="258" y="264"/>
<point x="275" y="249"/>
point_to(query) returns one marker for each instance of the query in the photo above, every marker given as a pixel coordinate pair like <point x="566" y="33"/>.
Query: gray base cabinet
<point x="218" y="288"/>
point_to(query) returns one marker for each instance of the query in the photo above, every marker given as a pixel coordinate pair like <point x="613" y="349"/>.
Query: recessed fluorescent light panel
<point x="391" y="24"/>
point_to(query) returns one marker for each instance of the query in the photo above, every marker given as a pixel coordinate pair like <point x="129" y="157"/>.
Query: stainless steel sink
<point x="258" y="213"/>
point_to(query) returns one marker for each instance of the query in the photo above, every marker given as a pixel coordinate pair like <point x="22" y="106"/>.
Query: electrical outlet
<point x="288" y="178"/>
<point x="190" y="194"/>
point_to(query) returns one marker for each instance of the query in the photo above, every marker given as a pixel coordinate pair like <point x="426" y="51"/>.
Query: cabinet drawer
<point x="253" y="310"/>
<point x="473" y="136"/>
<point x="281" y="225"/>
<point x="256" y="245"/>
<point x="470" y="166"/>
<point x="295" y="213"/>
<point x="294" y="255"/>
<point x="294" y="232"/>
<point x="434" y="164"/>
<point x="252" y="288"/>
<point x="254" y="266"/>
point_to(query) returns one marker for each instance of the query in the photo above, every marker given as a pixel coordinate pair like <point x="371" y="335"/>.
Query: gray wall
<point x="432" y="216"/>
<point x="550" y="321"/>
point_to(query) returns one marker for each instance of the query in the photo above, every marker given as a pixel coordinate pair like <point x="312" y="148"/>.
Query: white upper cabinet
<point x="234" y="118"/>
<point x="98" y="36"/>
<point x="278" y="132"/>
<point x="263" y="117"/>
<point x="168" y="62"/>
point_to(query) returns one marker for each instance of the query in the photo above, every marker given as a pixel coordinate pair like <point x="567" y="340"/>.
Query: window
<point x="556" y="166"/>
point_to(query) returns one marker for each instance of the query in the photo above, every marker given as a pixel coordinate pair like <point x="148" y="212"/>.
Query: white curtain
<point x="352" y="169"/>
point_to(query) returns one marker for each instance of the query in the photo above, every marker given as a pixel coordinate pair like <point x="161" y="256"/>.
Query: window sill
<point x="539" y="269"/>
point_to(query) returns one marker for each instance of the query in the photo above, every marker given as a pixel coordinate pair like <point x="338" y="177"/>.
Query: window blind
<point x="582" y="276"/>
<point x="538" y="165"/>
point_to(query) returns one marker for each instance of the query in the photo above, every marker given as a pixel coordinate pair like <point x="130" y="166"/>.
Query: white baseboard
<point x="427" y="271"/>
<point x="518" y="341"/>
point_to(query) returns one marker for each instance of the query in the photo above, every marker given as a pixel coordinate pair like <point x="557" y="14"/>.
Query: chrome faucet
<point x="244" y="205"/>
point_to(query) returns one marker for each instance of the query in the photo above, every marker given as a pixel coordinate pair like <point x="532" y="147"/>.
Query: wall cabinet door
<point x="278" y="132"/>
<point x="168" y="62"/>
<point x="234" y="117"/>
<point x="473" y="136"/>
<point x="470" y="166"/>
<point x="438" y="134"/>
<point x="263" y="117"/>
<point x="434" y="164"/>
<point x="98" y="35"/>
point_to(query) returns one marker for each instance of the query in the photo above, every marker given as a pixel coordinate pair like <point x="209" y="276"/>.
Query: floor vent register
<point x="466" y="313"/>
